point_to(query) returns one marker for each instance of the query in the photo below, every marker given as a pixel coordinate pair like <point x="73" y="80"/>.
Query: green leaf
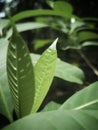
<point x="6" y="106"/>
<point x="65" y="70"/>
<point x="58" y="120"/>
<point x="69" y="72"/>
<point x="20" y="74"/>
<point x="33" y="13"/>
<point x="89" y="43"/>
<point x="26" y="26"/>
<point x="44" y="73"/>
<point x="87" y="35"/>
<point x="51" y="106"/>
<point x="63" y="7"/>
<point x="3" y="23"/>
<point x="85" y="99"/>
<point x="40" y="43"/>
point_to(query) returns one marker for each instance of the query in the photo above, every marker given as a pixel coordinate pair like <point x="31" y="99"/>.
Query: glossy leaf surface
<point x="20" y="74"/>
<point x="44" y="73"/>
<point x="65" y="70"/>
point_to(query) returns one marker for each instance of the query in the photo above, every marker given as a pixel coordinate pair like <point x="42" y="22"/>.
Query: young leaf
<point x="20" y="74"/>
<point x="85" y="99"/>
<point x="58" y="120"/>
<point x="44" y="72"/>
<point x="63" y="6"/>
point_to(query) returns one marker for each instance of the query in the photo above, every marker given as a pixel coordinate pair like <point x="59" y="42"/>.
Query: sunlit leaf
<point x="20" y="74"/>
<point x="65" y="70"/>
<point x="44" y="73"/>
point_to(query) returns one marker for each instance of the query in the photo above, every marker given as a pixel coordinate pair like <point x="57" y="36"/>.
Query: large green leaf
<point x="44" y="73"/>
<point x="58" y="120"/>
<point x="20" y="74"/>
<point x="33" y="13"/>
<point x="65" y="70"/>
<point x="85" y="99"/>
<point x="6" y="106"/>
<point x="65" y="118"/>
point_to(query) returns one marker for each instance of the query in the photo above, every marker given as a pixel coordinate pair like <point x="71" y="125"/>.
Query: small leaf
<point x="87" y="35"/>
<point x="84" y="99"/>
<point x="40" y="43"/>
<point x="63" y="7"/>
<point x="44" y="72"/>
<point x="51" y="106"/>
<point x="20" y="74"/>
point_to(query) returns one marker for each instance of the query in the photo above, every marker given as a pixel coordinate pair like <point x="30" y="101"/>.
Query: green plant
<point x="30" y="75"/>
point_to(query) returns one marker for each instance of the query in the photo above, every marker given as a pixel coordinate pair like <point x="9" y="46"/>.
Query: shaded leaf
<point x="20" y="74"/>
<point x="44" y="73"/>
<point x="87" y="35"/>
<point x="26" y="26"/>
<point x="6" y="106"/>
<point x="84" y="99"/>
<point x="69" y="72"/>
<point x="63" y="7"/>
<point x="51" y="106"/>
<point x="6" y="103"/>
<point x="40" y="43"/>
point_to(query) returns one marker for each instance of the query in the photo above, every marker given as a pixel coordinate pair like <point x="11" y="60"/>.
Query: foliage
<point x="28" y="78"/>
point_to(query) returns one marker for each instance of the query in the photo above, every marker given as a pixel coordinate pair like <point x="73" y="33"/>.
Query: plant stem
<point x="88" y="62"/>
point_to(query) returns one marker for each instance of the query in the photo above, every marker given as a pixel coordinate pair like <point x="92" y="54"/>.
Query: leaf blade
<point x="44" y="72"/>
<point x="19" y="71"/>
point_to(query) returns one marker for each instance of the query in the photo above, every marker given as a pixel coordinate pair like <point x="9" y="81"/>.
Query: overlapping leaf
<point x="85" y="99"/>
<point x="65" y="70"/>
<point x="6" y="106"/>
<point x="67" y="118"/>
<point x="44" y="73"/>
<point x="20" y="74"/>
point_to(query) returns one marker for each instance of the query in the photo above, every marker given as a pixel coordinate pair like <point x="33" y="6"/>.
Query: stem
<point x="88" y="62"/>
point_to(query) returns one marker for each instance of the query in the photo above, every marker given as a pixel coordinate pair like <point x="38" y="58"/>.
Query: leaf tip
<point x="53" y="46"/>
